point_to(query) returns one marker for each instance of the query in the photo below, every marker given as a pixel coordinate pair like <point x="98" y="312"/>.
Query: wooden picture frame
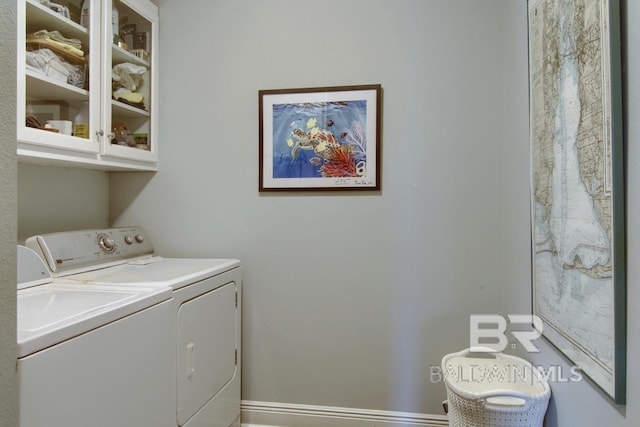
<point x="324" y="138"/>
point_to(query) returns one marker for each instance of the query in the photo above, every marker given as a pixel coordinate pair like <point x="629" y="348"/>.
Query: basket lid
<point x="476" y="374"/>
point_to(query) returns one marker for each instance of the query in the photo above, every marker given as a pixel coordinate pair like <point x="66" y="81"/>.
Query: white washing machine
<point x="90" y="357"/>
<point x="205" y="311"/>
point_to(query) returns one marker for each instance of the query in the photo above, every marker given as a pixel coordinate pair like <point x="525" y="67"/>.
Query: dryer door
<point x="206" y="348"/>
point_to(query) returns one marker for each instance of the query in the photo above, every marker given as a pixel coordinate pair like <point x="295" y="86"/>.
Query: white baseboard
<point x="272" y="414"/>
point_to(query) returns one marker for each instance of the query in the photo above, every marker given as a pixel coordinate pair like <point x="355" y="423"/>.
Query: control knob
<point x="106" y="243"/>
<point x="128" y="240"/>
<point x="139" y="238"/>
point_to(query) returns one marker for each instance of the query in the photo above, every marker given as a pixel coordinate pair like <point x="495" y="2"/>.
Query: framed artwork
<point x="577" y="185"/>
<point x="48" y="110"/>
<point x="325" y="138"/>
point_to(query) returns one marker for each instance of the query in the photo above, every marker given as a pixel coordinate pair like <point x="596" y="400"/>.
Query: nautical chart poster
<point x="577" y="185"/>
<point x="324" y="138"/>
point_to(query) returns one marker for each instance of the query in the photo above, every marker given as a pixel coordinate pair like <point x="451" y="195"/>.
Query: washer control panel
<point x="87" y="249"/>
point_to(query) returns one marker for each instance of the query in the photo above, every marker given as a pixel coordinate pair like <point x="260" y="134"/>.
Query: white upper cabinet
<point x="87" y="84"/>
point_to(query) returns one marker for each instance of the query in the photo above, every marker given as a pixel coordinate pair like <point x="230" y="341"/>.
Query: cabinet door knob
<point x="100" y="133"/>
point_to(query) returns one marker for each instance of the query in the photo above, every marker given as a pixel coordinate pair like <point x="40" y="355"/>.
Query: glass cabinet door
<point x="130" y="87"/>
<point x="58" y="77"/>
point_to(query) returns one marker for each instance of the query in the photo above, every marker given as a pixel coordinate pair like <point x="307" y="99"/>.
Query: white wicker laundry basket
<point x="488" y="389"/>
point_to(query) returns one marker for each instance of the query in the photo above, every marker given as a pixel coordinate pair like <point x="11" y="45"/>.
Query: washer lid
<point x="55" y="312"/>
<point x="171" y="272"/>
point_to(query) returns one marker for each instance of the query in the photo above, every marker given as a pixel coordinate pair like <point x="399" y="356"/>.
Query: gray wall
<point x="8" y="218"/>
<point x="354" y="323"/>
<point x="349" y="298"/>
<point x="52" y="199"/>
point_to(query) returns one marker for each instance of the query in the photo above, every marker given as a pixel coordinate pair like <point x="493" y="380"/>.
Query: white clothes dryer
<point x="205" y="312"/>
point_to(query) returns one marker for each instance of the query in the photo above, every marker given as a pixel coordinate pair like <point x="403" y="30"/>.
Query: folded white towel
<point x="58" y="40"/>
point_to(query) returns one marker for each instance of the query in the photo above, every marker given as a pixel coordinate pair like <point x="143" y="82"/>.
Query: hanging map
<point x="577" y="191"/>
